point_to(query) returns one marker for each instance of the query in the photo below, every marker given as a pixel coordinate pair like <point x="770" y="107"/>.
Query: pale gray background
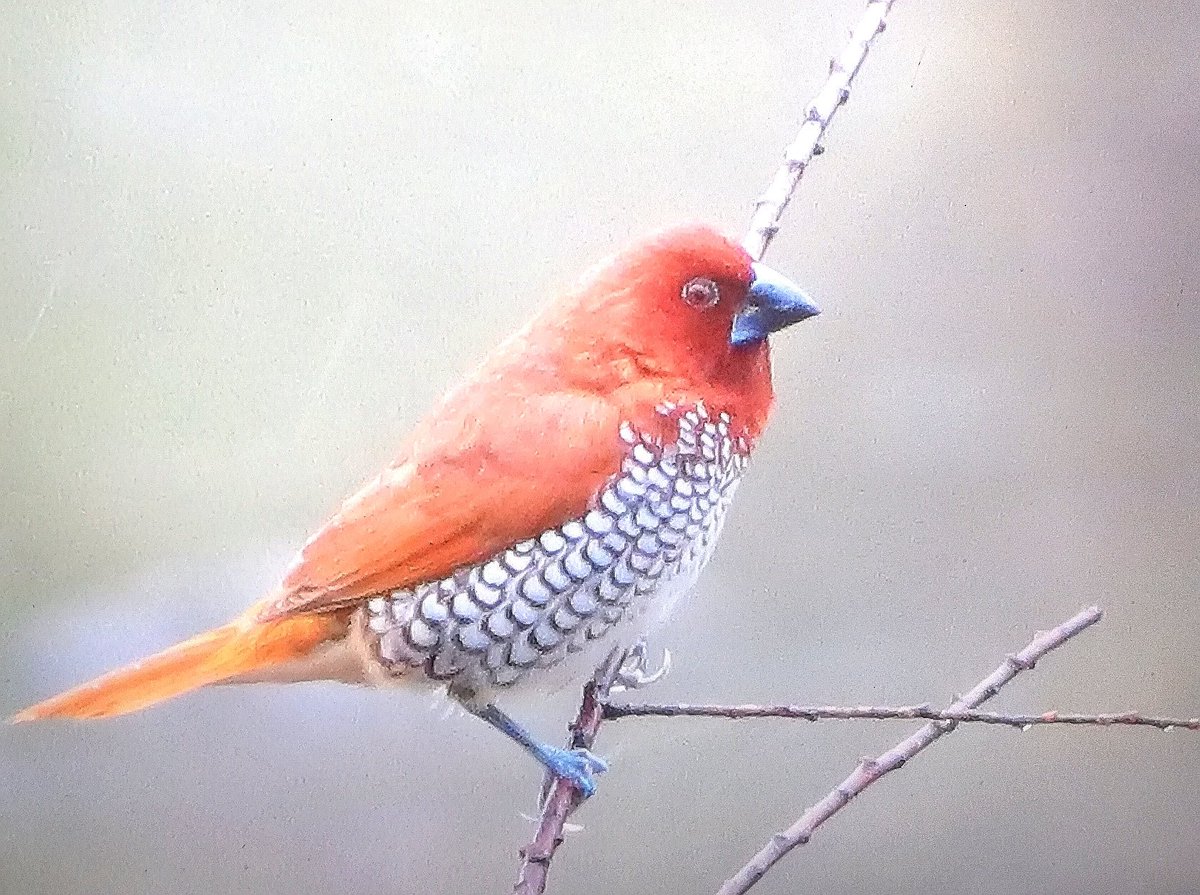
<point x="242" y="249"/>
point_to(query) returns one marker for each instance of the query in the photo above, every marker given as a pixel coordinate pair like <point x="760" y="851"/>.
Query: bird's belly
<point x="546" y="612"/>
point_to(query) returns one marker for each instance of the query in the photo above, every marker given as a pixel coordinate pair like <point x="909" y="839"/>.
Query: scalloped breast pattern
<point x="651" y="531"/>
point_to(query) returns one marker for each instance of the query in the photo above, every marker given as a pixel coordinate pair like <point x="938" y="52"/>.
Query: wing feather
<point x="467" y="486"/>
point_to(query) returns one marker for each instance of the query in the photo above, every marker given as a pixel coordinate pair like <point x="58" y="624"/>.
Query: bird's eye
<point x="701" y="293"/>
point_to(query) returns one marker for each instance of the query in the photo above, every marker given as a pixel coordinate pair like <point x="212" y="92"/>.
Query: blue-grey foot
<point x="579" y="766"/>
<point x="576" y="765"/>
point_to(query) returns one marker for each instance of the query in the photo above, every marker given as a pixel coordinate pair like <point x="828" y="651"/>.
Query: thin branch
<point x="922" y="712"/>
<point x="869" y="770"/>
<point x="768" y="210"/>
<point x="563" y="797"/>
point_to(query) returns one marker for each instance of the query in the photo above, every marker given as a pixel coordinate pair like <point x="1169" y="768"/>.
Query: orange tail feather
<point x="234" y="649"/>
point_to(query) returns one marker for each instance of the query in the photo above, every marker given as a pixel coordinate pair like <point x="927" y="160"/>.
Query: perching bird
<point x="543" y="516"/>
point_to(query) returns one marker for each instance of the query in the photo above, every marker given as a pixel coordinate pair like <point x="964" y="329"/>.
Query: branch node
<point x="1020" y="662"/>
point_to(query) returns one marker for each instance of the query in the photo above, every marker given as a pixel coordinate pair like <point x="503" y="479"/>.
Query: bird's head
<point x="685" y="306"/>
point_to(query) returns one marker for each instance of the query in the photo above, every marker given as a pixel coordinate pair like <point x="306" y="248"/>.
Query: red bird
<point x="544" y="514"/>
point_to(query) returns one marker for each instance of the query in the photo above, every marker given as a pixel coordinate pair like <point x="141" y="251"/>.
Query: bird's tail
<point x="238" y="648"/>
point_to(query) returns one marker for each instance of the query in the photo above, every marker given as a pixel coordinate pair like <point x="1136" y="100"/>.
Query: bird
<point x="543" y="516"/>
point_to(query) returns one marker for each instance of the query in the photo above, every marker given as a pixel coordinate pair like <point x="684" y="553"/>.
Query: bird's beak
<point x="772" y="303"/>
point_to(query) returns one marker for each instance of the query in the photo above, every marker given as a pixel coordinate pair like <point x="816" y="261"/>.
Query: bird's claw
<point x="577" y="766"/>
<point x="634" y="674"/>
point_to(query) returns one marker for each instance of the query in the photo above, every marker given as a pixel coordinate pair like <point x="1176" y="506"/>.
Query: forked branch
<point x="563" y="798"/>
<point x="871" y="769"/>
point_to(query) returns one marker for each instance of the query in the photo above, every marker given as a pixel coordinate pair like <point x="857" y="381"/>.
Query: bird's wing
<point x="468" y="485"/>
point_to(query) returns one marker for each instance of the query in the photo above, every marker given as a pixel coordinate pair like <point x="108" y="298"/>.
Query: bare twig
<point x="563" y="797"/>
<point x="768" y="210"/>
<point x="869" y="770"/>
<point x="922" y="712"/>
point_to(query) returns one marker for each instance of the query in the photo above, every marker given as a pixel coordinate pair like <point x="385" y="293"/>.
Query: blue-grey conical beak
<point x="772" y="303"/>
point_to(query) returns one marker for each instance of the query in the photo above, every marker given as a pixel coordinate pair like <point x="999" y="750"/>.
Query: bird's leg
<point x="579" y="766"/>
<point x="633" y="673"/>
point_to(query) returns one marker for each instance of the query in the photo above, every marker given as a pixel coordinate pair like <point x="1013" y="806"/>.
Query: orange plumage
<point x="525" y="444"/>
<point x="238" y="648"/>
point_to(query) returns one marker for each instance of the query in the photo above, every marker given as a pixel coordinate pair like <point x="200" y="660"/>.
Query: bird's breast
<point x="565" y="599"/>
